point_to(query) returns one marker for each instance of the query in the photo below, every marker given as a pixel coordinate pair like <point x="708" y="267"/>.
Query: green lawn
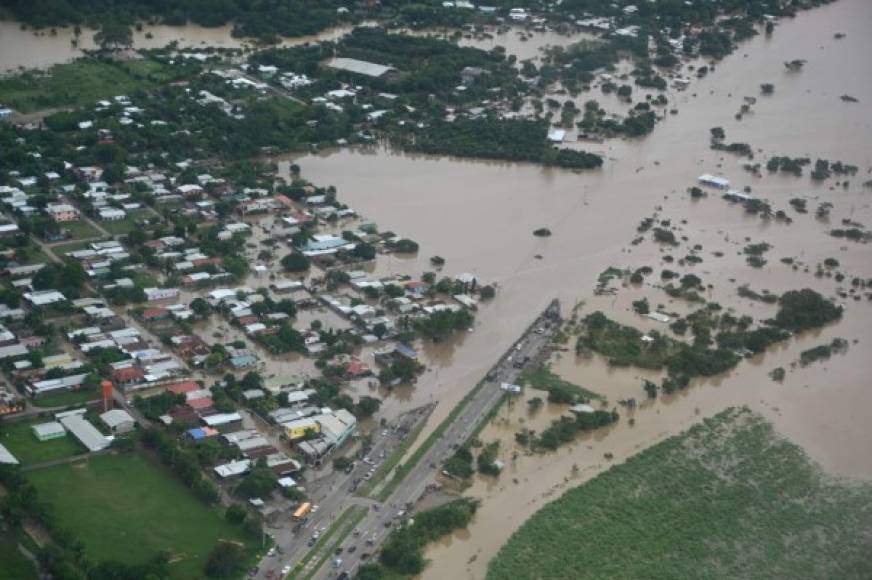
<point x="13" y="564"/>
<point x="128" y="224"/>
<point x="19" y="439"/>
<point x="81" y="229"/>
<point x="79" y="83"/>
<point x="727" y="499"/>
<point x="33" y="254"/>
<point x="60" y="250"/>
<point x="125" y="507"/>
<point x="65" y="398"/>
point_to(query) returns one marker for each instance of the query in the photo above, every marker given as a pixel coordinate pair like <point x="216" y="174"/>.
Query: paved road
<point x="375" y="526"/>
<point x="333" y="495"/>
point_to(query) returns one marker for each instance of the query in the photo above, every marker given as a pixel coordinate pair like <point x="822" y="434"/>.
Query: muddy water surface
<point x="480" y="216"/>
<point x="27" y="48"/>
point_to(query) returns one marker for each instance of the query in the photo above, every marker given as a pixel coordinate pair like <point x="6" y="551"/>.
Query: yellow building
<point x="297" y="429"/>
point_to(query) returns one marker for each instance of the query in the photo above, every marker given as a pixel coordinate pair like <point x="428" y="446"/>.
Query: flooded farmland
<point x="479" y="216"/>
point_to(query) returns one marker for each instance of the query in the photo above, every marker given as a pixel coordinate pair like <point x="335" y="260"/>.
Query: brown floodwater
<point x="28" y="48"/>
<point x="480" y="215"/>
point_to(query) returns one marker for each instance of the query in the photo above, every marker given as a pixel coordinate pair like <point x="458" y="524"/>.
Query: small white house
<point x="118" y="420"/>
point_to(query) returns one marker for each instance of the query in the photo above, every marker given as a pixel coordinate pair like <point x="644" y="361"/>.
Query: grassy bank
<point x="126" y="508"/>
<point x="727" y="499"/>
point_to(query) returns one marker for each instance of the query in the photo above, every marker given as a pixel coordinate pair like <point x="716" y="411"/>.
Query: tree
<point x="114" y="36"/>
<point x="364" y="251"/>
<point x="200" y="307"/>
<point x="225" y="561"/>
<point x="235" y="514"/>
<point x="296" y="262"/>
<point x="259" y="482"/>
<point x="367" y="407"/>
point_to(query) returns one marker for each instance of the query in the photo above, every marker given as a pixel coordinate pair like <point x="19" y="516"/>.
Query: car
<point x="337" y="563"/>
<point x="339" y="550"/>
<point x="271" y="553"/>
<point x="364" y="556"/>
<point x="311" y="542"/>
<point x="343" y="576"/>
<point x="286" y="569"/>
<point x="352" y="549"/>
<point x="315" y="508"/>
<point x="253" y="571"/>
<point x="388" y="524"/>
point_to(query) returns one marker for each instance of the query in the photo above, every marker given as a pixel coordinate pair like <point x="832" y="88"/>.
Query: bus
<point x="302" y="511"/>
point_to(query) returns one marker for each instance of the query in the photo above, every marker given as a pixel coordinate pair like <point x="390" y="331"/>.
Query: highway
<point x="375" y="526"/>
<point x="333" y="495"/>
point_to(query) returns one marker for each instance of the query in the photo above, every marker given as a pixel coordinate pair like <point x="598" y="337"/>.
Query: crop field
<point x="727" y="499"/>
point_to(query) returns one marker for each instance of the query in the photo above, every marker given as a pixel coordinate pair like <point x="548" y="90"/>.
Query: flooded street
<point x="479" y="216"/>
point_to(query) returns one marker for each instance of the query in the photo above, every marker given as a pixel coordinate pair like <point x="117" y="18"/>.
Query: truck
<point x="302" y="511"/>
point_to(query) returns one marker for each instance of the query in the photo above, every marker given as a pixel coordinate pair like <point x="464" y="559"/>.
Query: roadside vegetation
<point x="750" y="505"/>
<point x="402" y="555"/>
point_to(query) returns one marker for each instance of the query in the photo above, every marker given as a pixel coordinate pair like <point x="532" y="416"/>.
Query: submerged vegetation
<point x="402" y="555"/>
<point x="728" y="496"/>
<point x="719" y="339"/>
<point x="559" y="390"/>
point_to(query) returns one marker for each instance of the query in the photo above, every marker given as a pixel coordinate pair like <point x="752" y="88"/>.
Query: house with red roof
<point x="153" y="314"/>
<point x="128" y="375"/>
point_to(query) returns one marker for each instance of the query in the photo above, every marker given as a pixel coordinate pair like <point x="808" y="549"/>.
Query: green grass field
<point x="61" y="250"/>
<point x="727" y="499"/>
<point x="124" y="507"/>
<point x="81" y="230"/>
<point x="13" y="564"/>
<point x="19" y="439"/>
<point x="66" y="398"/>
<point x="128" y="224"/>
<point x="81" y="82"/>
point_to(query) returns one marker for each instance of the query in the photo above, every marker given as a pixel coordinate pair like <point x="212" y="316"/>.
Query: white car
<point x="286" y="569"/>
<point x="315" y="508"/>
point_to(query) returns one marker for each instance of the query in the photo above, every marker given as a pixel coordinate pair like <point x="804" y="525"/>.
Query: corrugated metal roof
<point x="85" y="432"/>
<point x="360" y="67"/>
